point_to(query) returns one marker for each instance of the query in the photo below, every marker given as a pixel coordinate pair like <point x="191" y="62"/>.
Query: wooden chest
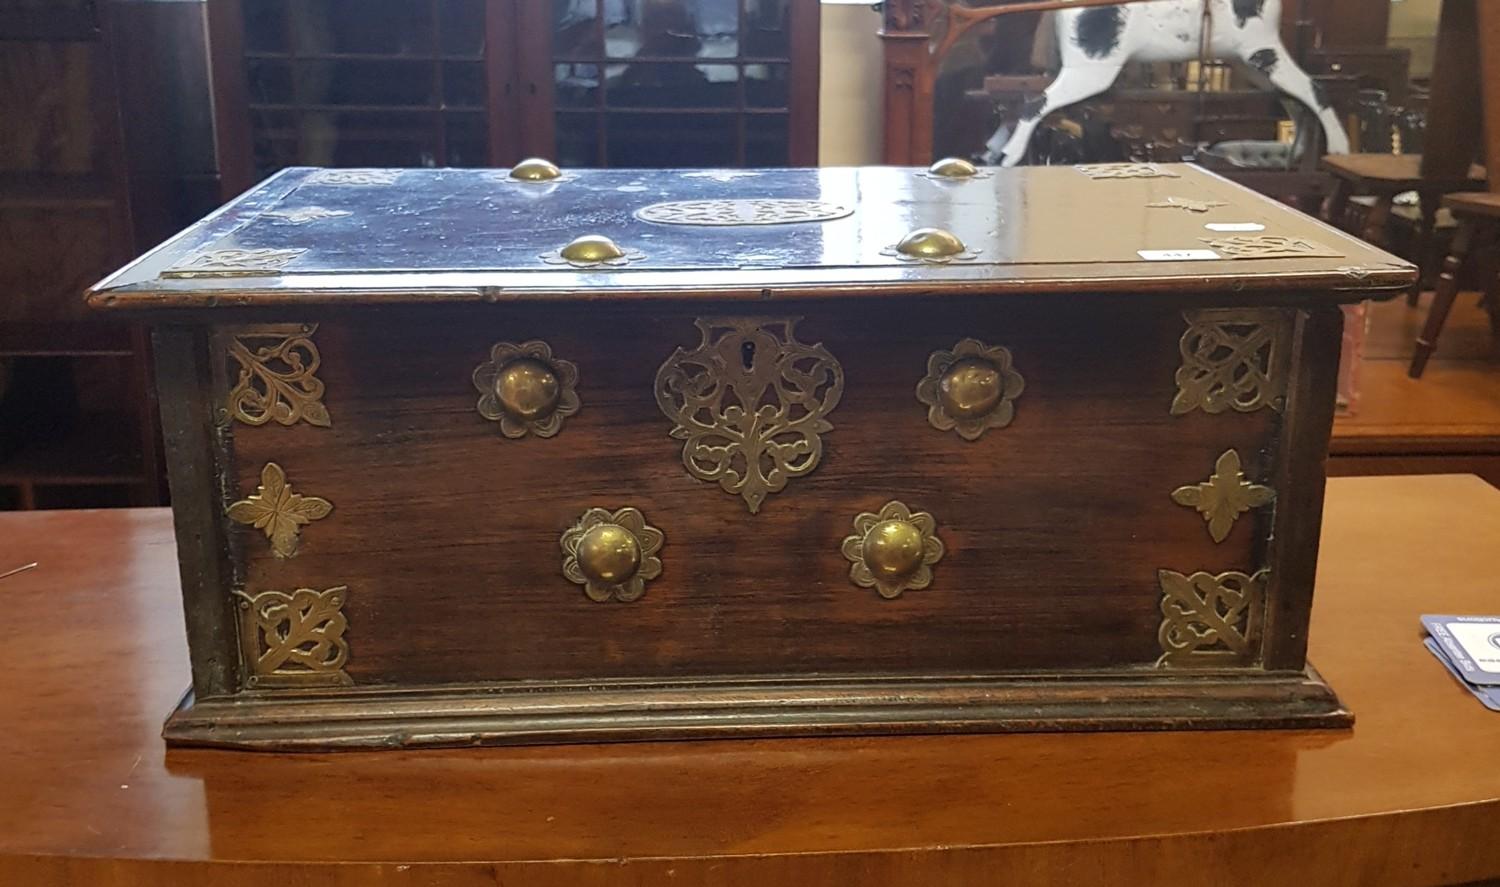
<point x="472" y="456"/>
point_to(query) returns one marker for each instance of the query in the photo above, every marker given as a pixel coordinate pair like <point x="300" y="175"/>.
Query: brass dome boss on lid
<point x="592" y="251"/>
<point x="526" y="389"/>
<point x="535" y="169"/>
<point x="954" y="169"/>
<point x="930" y="245"/>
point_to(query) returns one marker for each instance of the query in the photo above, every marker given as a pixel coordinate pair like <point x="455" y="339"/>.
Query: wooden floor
<point x="1446" y="422"/>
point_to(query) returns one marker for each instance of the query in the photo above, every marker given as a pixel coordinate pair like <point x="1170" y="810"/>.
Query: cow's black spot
<point x="1244" y="10"/>
<point x="1032" y="108"/>
<point x="1264" y="60"/>
<point x="1099" y="30"/>
<point x="1320" y="94"/>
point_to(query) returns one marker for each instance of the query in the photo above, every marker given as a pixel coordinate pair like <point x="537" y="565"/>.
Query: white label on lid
<point x="1176" y="255"/>
<point x="1235" y="226"/>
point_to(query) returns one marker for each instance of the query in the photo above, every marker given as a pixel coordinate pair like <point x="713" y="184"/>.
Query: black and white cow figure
<point x="1097" y="41"/>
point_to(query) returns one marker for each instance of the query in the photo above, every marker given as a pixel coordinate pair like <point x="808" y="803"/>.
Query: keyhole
<point x="747" y="355"/>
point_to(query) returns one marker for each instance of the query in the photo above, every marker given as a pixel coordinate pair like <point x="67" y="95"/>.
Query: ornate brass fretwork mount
<point x="1224" y="496"/>
<point x="970" y="389"/>
<point x="1125" y="171"/>
<point x="1268" y="246"/>
<point x="296" y="639"/>
<point x="751" y="211"/>
<point x="259" y="262"/>
<point x="526" y="389"/>
<point x="612" y="555"/>
<point x="277" y="380"/>
<point x="893" y="550"/>
<point x="750" y="403"/>
<point x="1186" y="203"/>
<point x="1232" y="359"/>
<point x="1208" y="620"/>
<point x="278" y="512"/>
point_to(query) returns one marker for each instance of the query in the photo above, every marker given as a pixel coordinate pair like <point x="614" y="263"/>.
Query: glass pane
<point x="766" y="29"/>
<point x="364" y="138"/>
<point x="364" y="83"/>
<point x="670" y="140"/>
<point x="577" y="140"/>
<point x="575" y="28"/>
<point x="766" y="140"/>
<point x="468" y="140"/>
<point x="268" y="82"/>
<point x="394" y="27"/>
<point x="671" y="28"/>
<point x="575" y="85"/>
<point x="463" y="85"/>
<point x="462" y="26"/>
<point x="766" y="86"/>
<point x="265" y="25"/>
<point x="645" y="85"/>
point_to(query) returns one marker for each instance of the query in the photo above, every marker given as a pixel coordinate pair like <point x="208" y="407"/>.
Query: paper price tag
<point x="1176" y="255"/>
<point x="1235" y="226"/>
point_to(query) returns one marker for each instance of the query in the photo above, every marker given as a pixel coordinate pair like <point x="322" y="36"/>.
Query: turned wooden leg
<point x="1442" y="300"/>
<point x="1490" y="277"/>
<point x="1338" y="205"/>
<point x="1380" y="213"/>
<point x="1429" y="205"/>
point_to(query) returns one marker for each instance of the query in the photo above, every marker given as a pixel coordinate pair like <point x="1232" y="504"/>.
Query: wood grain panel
<point x="447" y="533"/>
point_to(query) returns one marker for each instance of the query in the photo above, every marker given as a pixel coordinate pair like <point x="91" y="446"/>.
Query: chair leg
<point x="1338" y="205"/>
<point x="1442" y="300"/>
<point x="1429" y="205"/>
<point x="1380" y="213"/>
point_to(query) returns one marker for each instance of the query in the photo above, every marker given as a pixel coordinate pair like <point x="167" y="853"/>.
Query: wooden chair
<point x="1383" y="176"/>
<point x="1468" y="67"/>
<point x="1478" y="217"/>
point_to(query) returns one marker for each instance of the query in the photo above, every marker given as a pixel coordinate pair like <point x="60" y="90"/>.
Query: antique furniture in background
<point x="1398" y="804"/>
<point x="77" y="418"/>
<point x="1469" y="65"/>
<point x="712" y="452"/>
<point x="917" y="37"/>
<point x="487" y="82"/>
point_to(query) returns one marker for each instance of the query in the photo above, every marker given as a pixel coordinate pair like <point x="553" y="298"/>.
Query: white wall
<point x="849" y="96"/>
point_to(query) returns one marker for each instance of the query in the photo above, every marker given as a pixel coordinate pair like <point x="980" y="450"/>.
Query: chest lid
<point x="418" y="235"/>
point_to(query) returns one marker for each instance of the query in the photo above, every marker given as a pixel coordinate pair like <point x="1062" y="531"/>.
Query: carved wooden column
<point x="908" y="82"/>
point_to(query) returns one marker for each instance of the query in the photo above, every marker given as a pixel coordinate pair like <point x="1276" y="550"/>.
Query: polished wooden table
<point x="93" y="657"/>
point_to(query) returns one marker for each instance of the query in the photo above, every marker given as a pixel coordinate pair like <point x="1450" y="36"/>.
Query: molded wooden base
<point x="514" y="714"/>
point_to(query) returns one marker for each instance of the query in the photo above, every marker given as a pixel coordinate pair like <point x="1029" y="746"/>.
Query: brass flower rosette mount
<point x="970" y="389"/>
<point x="526" y="389"/>
<point x="612" y="555"/>
<point x="893" y="550"/>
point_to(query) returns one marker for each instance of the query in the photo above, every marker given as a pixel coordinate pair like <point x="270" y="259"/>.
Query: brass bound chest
<point x="464" y="456"/>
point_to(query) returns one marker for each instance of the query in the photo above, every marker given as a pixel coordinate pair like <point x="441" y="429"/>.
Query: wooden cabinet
<point x="411" y="83"/>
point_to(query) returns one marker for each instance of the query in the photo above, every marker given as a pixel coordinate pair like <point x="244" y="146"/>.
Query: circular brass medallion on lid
<point x="752" y="211"/>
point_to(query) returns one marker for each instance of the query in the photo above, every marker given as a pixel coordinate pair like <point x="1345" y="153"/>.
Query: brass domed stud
<point x="932" y="246"/>
<point x="592" y="251"/>
<point x="526" y="389"/>
<point x="612" y="555"/>
<point x="535" y="169"/>
<point x="893" y="550"/>
<point x="951" y="169"/>
<point x="970" y="389"/>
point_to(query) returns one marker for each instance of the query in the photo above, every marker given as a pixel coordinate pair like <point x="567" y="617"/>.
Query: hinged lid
<point x="418" y="235"/>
